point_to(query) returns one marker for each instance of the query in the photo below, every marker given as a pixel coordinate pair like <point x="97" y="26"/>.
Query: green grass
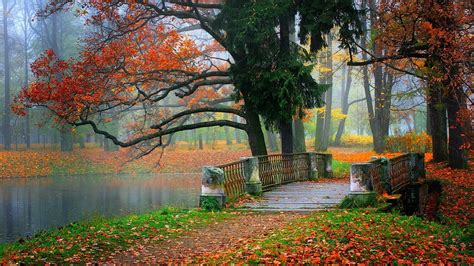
<point x="95" y="239"/>
<point x="341" y="169"/>
<point x="360" y="236"/>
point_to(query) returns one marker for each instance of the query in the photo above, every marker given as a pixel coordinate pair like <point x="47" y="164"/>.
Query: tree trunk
<point x="318" y="141"/>
<point x="344" y="105"/>
<point x="228" y="139"/>
<point x="7" y="131"/>
<point x="328" y="99"/>
<point x="438" y="128"/>
<point x="27" y="130"/>
<point x="299" y="141"/>
<point x="272" y="140"/>
<point x="82" y="143"/>
<point x="66" y="139"/>
<point x="200" y="141"/>
<point x="26" y="73"/>
<point x="286" y="132"/>
<point x="238" y="136"/>
<point x="286" y="127"/>
<point x="254" y="132"/>
<point x="457" y="152"/>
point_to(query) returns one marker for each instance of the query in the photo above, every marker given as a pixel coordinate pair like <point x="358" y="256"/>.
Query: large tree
<point x="122" y="66"/>
<point x="433" y="39"/>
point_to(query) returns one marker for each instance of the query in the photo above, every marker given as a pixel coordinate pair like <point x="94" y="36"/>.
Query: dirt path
<point x="206" y="241"/>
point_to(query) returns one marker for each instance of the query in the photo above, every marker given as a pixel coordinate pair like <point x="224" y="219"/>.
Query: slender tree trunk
<point x="66" y="139"/>
<point x="6" y="113"/>
<point x="238" y="137"/>
<point x="26" y="73"/>
<point x="344" y="105"/>
<point x="82" y="143"/>
<point x="272" y="140"/>
<point x="329" y="81"/>
<point x="27" y="130"/>
<point x="228" y="139"/>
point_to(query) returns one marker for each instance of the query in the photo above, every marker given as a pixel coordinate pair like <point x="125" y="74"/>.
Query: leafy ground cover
<point x="35" y="163"/>
<point x="457" y="201"/>
<point x="101" y="238"/>
<point x="360" y="236"/>
<point x="94" y="160"/>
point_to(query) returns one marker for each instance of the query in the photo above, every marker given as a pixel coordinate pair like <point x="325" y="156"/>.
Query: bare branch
<point x="199" y="110"/>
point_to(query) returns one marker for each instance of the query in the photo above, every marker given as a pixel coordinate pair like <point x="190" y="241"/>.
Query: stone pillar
<point x="361" y="183"/>
<point x="313" y="166"/>
<point x="385" y="175"/>
<point x="212" y="186"/>
<point x="417" y="165"/>
<point x="253" y="184"/>
<point x="361" y="180"/>
<point x="327" y="165"/>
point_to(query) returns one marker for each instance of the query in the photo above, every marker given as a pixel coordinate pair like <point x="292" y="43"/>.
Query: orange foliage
<point x="96" y="161"/>
<point x="120" y="72"/>
<point x="352" y="155"/>
<point x="357" y="155"/>
<point x="457" y="202"/>
<point x="409" y="142"/>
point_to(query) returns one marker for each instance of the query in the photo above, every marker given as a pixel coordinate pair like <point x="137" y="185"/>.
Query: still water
<point x="32" y="204"/>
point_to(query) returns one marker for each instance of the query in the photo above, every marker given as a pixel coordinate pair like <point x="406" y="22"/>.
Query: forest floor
<point x="332" y="236"/>
<point x="39" y="162"/>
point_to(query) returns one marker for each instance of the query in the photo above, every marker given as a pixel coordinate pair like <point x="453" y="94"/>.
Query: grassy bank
<point x="360" y="236"/>
<point x="97" y="239"/>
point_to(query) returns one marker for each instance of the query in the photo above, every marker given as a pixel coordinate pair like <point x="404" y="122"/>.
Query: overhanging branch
<point x="196" y="111"/>
<point x="160" y="133"/>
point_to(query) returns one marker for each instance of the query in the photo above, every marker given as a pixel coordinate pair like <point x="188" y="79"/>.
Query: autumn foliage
<point x="115" y="74"/>
<point x="409" y="142"/>
<point x="38" y="163"/>
<point x="457" y="202"/>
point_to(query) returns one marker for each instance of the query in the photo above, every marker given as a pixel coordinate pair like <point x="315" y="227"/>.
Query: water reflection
<point x="32" y="204"/>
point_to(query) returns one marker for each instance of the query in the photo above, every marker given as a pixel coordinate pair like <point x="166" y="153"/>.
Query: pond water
<point x="28" y="205"/>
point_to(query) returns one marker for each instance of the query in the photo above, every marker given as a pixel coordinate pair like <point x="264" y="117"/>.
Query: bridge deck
<point x="302" y="196"/>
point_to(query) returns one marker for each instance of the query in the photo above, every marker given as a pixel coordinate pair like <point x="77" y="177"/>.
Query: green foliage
<point x="264" y="71"/>
<point x="340" y="168"/>
<point x="359" y="201"/>
<point x="319" y="17"/>
<point x="97" y="238"/>
<point x="210" y="204"/>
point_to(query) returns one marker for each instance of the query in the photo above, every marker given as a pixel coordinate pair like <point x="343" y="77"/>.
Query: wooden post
<point x="212" y="186"/>
<point x="253" y="184"/>
<point x="313" y="166"/>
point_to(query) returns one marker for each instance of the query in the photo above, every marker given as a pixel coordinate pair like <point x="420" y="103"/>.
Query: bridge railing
<point x="389" y="176"/>
<point x="234" y="178"/>
<point x="255" y="174"/>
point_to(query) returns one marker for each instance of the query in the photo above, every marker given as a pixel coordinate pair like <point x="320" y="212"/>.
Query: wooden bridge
<point x="286" y="181"/>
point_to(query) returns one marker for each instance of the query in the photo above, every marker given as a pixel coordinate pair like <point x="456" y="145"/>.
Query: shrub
<point x="210" y="204"/>
<point x="356" y="140"/>
<point x="359" y="201"/>
<point x="409" y="142"/>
